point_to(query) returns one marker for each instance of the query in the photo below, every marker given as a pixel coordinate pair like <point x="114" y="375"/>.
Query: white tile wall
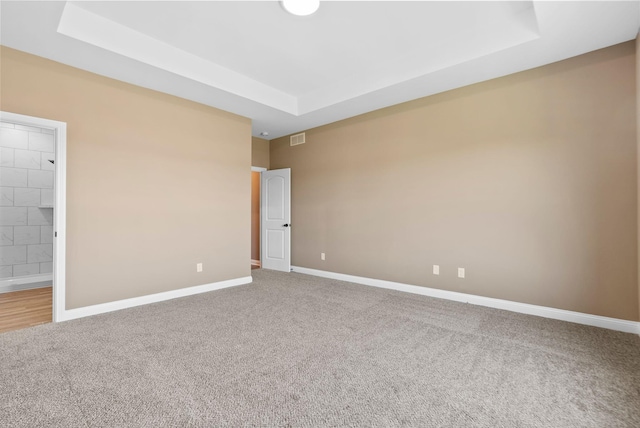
<point x="46" y="267"/>
<point x="13" y="216"/>
<point x="14" y="139"/>
<point x="28" y="269"/>
<point x="27" y="177"/>
<point x="13" y="177"/>
<point x="46" y="197"/>
<point x="23" y="235"/>
<point x="44" y="161"/>
<point x="40" y="216"/>
<point x="46" y="234"/>
<point x="41" y="142"/>
<point x="6" y="271"/>
<point x="6" y="235"/>
<point x="6" y="196"/>
<point x="26" y="159"/>
<point x="26" y="197"/>
<point x="6" y="157"/>
<point x="41" y="179"/>
<point x="14" y="255"/>
<point x="39" y="253"/>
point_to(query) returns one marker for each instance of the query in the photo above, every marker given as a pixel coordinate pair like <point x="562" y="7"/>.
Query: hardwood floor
<point x="21" y="309"/>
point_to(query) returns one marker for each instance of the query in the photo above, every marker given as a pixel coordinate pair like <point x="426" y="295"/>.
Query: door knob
<point x="286" y="225"/>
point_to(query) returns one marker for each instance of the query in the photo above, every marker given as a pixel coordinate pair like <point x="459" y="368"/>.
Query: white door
<point x="275" y="223"/>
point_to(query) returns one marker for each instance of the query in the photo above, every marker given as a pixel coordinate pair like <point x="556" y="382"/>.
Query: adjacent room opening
<point x="255" y="217"/>
<point x="27" y="166"/>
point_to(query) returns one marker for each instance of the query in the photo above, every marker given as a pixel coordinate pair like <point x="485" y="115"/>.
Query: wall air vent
<point x="296" y="139"/>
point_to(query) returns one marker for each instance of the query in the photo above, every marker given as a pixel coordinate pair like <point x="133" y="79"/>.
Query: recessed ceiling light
<point x="301" y="7"/>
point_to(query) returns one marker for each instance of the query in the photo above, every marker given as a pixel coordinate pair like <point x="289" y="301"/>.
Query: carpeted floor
<point x="295" y="350"/>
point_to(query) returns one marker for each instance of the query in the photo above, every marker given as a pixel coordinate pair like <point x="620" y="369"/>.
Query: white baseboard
<point x="524" y="308"/>
<point x="21" y="287"/>
<point x="102" y="308"/>
<point x="256" y="262"/>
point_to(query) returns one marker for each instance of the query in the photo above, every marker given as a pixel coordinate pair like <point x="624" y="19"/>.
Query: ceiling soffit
<point x="459" y="35"/>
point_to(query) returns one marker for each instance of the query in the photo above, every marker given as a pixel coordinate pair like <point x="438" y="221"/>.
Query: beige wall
<point x="155" y="183"/>
<point x="259" y="152"/>
<point x="527" y="181"/>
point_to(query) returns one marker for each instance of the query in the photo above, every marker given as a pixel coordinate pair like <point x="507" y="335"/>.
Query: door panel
<point x="275" y="249"/>
<point x="276" y="219"/>
<point x="275" y="198"/>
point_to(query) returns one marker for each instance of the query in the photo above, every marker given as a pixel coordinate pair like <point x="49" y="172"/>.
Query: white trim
<point x="23" y="287"/>
<point x="60" y="206"/>
<point x="523" y="308"/>
<point x="151" y="298"/>
<point x="258" y="169"/>
<point x="256" y="262"/>
<point x="19" y="283"/>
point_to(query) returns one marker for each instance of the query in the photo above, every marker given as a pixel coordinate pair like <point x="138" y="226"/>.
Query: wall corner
<point x="638" y="158"/>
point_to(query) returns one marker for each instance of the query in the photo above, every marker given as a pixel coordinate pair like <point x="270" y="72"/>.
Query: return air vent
<point x="297" y="139"/>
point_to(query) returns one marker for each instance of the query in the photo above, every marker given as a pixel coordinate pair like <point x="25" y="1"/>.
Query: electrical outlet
<point x="460" y="272"/>
<point x="199" y="267"/>
<point x="322" y="256"/>
<point x="436" y="269"/>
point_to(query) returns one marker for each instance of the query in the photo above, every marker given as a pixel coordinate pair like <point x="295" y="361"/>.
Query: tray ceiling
<point x="291" y="73"/>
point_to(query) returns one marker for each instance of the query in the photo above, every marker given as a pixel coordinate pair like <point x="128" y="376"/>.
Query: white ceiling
<point x="291" y="73"/>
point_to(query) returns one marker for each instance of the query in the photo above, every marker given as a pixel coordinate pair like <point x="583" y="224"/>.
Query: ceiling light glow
<point x="301" y="7"/>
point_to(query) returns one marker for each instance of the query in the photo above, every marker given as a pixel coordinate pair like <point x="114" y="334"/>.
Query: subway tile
<point x="13" y="177"/>
<point x="44" y="161"/>
<point x="40" y="216"/>
<point x="6" y="196"/>
<point x="40" y="253"/>
<point x="14" y="139"/>
<point x="26" y="197"/>
<point x="46" y="234"/>
<point x="14" y="255"/>
<point x="13" y="216"/>
<point x="28" y="269"/>
<point x="46" y="197"/>
<point x="46" y="267"/>
<point x="40" y="179"/>
<point x="6" y="157"/>
<point x="41" y="142"/>
<point x="25" y="235"/>
<point x="6" y="235"/>
<point x="6" y="271"/>
<point x="6" y="125"/>
<point x="28" y="128"/>
<point x="26" y="159"/>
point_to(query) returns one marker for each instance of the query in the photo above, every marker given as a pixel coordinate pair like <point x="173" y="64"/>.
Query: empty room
<point x="310" y="213"/>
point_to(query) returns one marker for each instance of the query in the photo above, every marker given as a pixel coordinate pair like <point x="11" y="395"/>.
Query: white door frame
<point x="260" y="170"/>
<point x="284" y="173"/>
<point x="60" y="204"/>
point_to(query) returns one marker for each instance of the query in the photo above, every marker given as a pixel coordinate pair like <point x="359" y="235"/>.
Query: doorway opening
<point x="32" y="159"/>
<point x="256" y="172"/>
